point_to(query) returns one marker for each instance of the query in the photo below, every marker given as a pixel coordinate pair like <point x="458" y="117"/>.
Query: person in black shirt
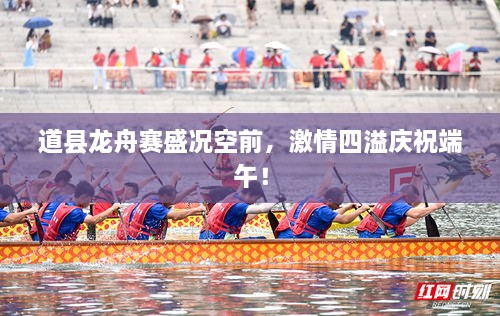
<point x="346" y="31"/>
<point x="430" y="37"/>
<point x="411" y="40"/>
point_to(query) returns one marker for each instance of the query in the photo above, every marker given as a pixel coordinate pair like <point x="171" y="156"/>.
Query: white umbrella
<point x="211" y="45"/>
<point x="276" y="45"/>
<point x="429" y="50"/>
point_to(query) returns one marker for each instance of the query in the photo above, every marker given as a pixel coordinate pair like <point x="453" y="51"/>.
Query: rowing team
<point x="309" y="218"/>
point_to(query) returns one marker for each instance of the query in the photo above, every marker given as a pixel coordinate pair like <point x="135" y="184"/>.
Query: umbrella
<point x="243" y="56"/>
<point x="497" y="60"/>
<point x="456" y="47"/>
<point x="354" y="12"/>
<point x="211" y="45"/>
<point x="37" y="22"/>
<point x="477" y="49"/>
<point x="201" y="19"/>
<point x="429" y="50"/>
<point x="230" y="17"/>
<point x="276" y="45"/>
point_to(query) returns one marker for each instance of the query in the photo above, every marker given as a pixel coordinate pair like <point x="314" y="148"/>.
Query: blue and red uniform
<point x="65" y="222"/>
<point x="46" y="212"/>
<point x="144" y="219"/>
<point x="309" y="218"/>
<point x="392" y="210"/>
<point x="227" y="216"/>
<point x="3" y="214"/>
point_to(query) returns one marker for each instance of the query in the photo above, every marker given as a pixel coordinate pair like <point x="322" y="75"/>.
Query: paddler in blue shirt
<point x="398" y="210"/>
<point x="312" y="217"/>
<point x="7" y="194"/>
<point x="227" y="217"/>
<point x="144" y="220"/>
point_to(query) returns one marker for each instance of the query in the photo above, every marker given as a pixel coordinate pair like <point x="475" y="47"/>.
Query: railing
<point x="250" y="78"/>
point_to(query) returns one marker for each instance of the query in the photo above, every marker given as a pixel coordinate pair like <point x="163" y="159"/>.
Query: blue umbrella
<point x="249" y="55"/>
<point x="37" y="22"/>
<point x="477" y="49"/>
<point x="352" y="13"/>
<point x="453" y="48"/>
<point x="497" y="60"/>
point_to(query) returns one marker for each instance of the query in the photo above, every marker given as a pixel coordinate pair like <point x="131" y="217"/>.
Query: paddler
<point x="65" y="224"/>
<point x="225" y="164"/>
<point x="398" y="210"/>
<point x="227" y="217"/>
<point x="7" y="194"/>
<point x="54" y="183"/>
<point x="311" y="217"/>
<point x="144" y="220"/>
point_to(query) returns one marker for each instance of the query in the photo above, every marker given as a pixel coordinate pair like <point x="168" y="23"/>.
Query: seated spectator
<point x="411" y="40"/>
<point x="430" y="37"/>
<point x="204" y="31"/>
<point x="108" y="15"/>
<point x="130" y="3"/>
<point x="311" y="5"/>
<point x="287" y="5"/>
<point x="378" y="27"/>
<point x="25" y="5"/>
<point x="9" y="5"/>
<point x="432" y="66"/>
<point x="95" y="16"/>
<point x="223" y="26"/>
<point x="177" y="10"/>
<point x="359" y="27"/>
<point x="45" y="42"/>
<point x="346" y="31"/>
<point x="221" y="80"/>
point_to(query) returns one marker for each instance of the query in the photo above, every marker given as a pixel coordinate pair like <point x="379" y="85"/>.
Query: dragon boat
<point x="249" y="251"/>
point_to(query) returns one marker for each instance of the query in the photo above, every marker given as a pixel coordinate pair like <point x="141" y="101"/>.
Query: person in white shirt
<point x="378" y="27"/>
<point x="177" y="10"/>
<point x="223" y="26"/>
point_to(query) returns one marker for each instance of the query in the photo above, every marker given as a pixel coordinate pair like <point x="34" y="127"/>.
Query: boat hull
<point x="242" y="251"/>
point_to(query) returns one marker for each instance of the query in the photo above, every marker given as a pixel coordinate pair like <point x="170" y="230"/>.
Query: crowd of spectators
<point x="18" y="5"/>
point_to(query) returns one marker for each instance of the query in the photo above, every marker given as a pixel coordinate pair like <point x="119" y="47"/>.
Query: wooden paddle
<point x="430" y="223"/>
<point x="204" y="212"/>
<point x="217" y="116"/>
<point x="206" y="164"/>
<point x="273" y="220"/>
<point x="444" y="210"/>
<point x="151" y="168"/>
<point x="91" y="230"/>
<point x="22" y="210"/>
<point x="124" y="226"/>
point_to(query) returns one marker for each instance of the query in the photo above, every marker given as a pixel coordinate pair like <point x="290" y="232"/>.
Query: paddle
<point x="430" y="223"/>
<point x="110" y="182"/>
<point x="22" y="210"/>
<point x="217" y="116"/>
<point x="206" y="165"/>
<point x="38" y="222"/>
<point x="91" y="230"/>
<point x="204" y="212"/>
<point x="444" y="210"/>
<point x="273" y="221"/>
<point x="380" y="223"/>
<point x="151" y="168"/>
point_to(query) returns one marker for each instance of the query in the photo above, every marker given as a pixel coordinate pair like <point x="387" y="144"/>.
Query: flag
<point x="242" y="58"/>
<point x="131" y="59"/>
<point x="455" y="62"/>
<point x="344" y="60"/>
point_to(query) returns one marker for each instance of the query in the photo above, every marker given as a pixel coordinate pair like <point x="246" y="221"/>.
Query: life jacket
<point x="55" y="223"/>
<point x="218" y="214"/>
<point x="136" y="224"/>
<point x="368" y="223"/>
<point x="226" y="166"/>
<point x="300" y="224"/>
<point x="33" y="231"/>
<point x="104" y="199"/>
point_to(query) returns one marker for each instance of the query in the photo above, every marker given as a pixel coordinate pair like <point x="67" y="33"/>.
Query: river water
<point x="337" y="288"/>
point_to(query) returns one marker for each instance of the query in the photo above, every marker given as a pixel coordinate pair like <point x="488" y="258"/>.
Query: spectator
<point x="411" y="39"/>
<point x="182" y="59"/>
<point x="206" y="62"/>
<point x="131" y="3"/>
<point x="317" y="62"/>
<point x="108" y="15"/>
<point x="31" y="33"/>
<point x="277" y="69"/>
<point x="204" y="31"/>
<point x="432" y="66"/>
<point x="95" y="17"/>
<point x="359" y="27"/>
<point x="430" y="37"/>
<point x="252" y="13"/>
<point x="287" y="64"/>
<point x="25" y="5"/>
<point x="287" y="5"/>
<point x="420" y="67"/>
<point x="379" y="66"/>
<point x="155" y="62"/>
<point x="45" y="41"/>
<point x="331" y="61"/>
<point x="442" y="66"/>
<point x="474" y="66"/>
<point x="223" y="26"/>
<point x="311" y="5"/>
<point x="113" y="59"/>
<point x="9" y="5"/>
<point x="99" y="58"/>
<point x="131" y="60"/>
<point x="400" y="75"/>
<point x="378" y="27"/>
<point x="346" y="31"/>
<point x="221" y="80"/>
<point x="177" y="11"/>
<point x="266" y="66"/>
<point x="358" y="74"/>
